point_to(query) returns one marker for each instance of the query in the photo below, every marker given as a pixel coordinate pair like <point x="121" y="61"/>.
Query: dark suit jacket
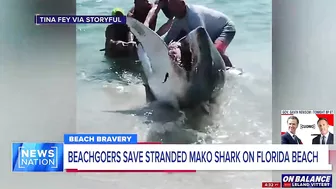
<point x="288" y="139"/>
<point x="317" y="139"/>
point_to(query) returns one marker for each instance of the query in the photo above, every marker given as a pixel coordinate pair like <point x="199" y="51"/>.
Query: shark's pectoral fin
<point x="156" y="62"/>
<point x="150" y="97"/>
<point x="151" y="43"/>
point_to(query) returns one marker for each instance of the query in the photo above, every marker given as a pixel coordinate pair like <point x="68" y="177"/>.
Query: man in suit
<point x="325" y="137"/>
<point x="289" y="137"/>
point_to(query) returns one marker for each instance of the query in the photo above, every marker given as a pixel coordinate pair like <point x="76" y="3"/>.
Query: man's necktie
<point x="323" y="139"/>
<point x="296" y="139"/>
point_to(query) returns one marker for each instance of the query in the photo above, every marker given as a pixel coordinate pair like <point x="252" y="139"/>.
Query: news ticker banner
<point x="123" y="153"/>
<point x="78" y="19"/>
<point x="301" y="181"/>
<point x="307" y="128"/>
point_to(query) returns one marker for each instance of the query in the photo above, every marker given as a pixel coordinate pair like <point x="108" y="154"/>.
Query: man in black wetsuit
<point x="119" y="41"/>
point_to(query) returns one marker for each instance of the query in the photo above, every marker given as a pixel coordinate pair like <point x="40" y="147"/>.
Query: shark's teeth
<point x="174" y="52"/>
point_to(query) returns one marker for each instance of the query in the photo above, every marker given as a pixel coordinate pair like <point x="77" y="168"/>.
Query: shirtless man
<point x="188" y="17"/>
<point x="146" y="13"/>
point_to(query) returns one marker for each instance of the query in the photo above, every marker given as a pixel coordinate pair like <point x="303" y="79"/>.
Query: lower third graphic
<point x="37" y="157"/>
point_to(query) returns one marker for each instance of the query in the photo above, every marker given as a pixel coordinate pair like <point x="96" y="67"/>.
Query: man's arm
<point x="109" y="36"/>
<point x="131" y="40"/>
<point x="130" y="37"/>
<point x="283" y="140"/>
<point x="151" y="18"/>
<point x="110" y="39"/>
<point x="130" y="12"/>
<point x="331" y="138"/>
<point x="165" y="27"/>
<point x="173" y="31"/>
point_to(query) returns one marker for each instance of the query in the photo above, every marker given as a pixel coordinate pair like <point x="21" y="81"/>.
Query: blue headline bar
<point x="100" y="139"/>
<point x="78" y="19"/>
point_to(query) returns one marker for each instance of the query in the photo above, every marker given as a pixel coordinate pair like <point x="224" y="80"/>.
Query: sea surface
<point x="111" y="100"/>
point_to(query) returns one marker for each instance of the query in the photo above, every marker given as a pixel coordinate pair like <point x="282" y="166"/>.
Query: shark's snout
<point x="202" y="39"/>
<point x="201" y="32"/>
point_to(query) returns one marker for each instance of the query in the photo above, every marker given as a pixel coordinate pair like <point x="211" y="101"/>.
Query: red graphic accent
<point x="128" y="171"/>
<point x="329" y="117"/>
<point x="270" y="184"/>
<point x="332" y="158"/>
<point x="286" y="185"/>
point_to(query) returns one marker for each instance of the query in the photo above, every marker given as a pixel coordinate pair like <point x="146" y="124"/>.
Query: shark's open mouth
<point x="181" y="54"/>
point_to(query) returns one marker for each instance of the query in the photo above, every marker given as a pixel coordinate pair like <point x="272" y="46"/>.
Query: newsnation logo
<point x="307" y="180"/>
<point x="37" y="157"/>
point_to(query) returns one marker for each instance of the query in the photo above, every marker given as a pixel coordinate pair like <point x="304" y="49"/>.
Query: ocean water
<point x="245" y="112"/>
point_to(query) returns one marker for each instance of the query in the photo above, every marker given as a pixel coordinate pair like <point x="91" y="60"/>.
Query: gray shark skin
<point x="185" y="73"/>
